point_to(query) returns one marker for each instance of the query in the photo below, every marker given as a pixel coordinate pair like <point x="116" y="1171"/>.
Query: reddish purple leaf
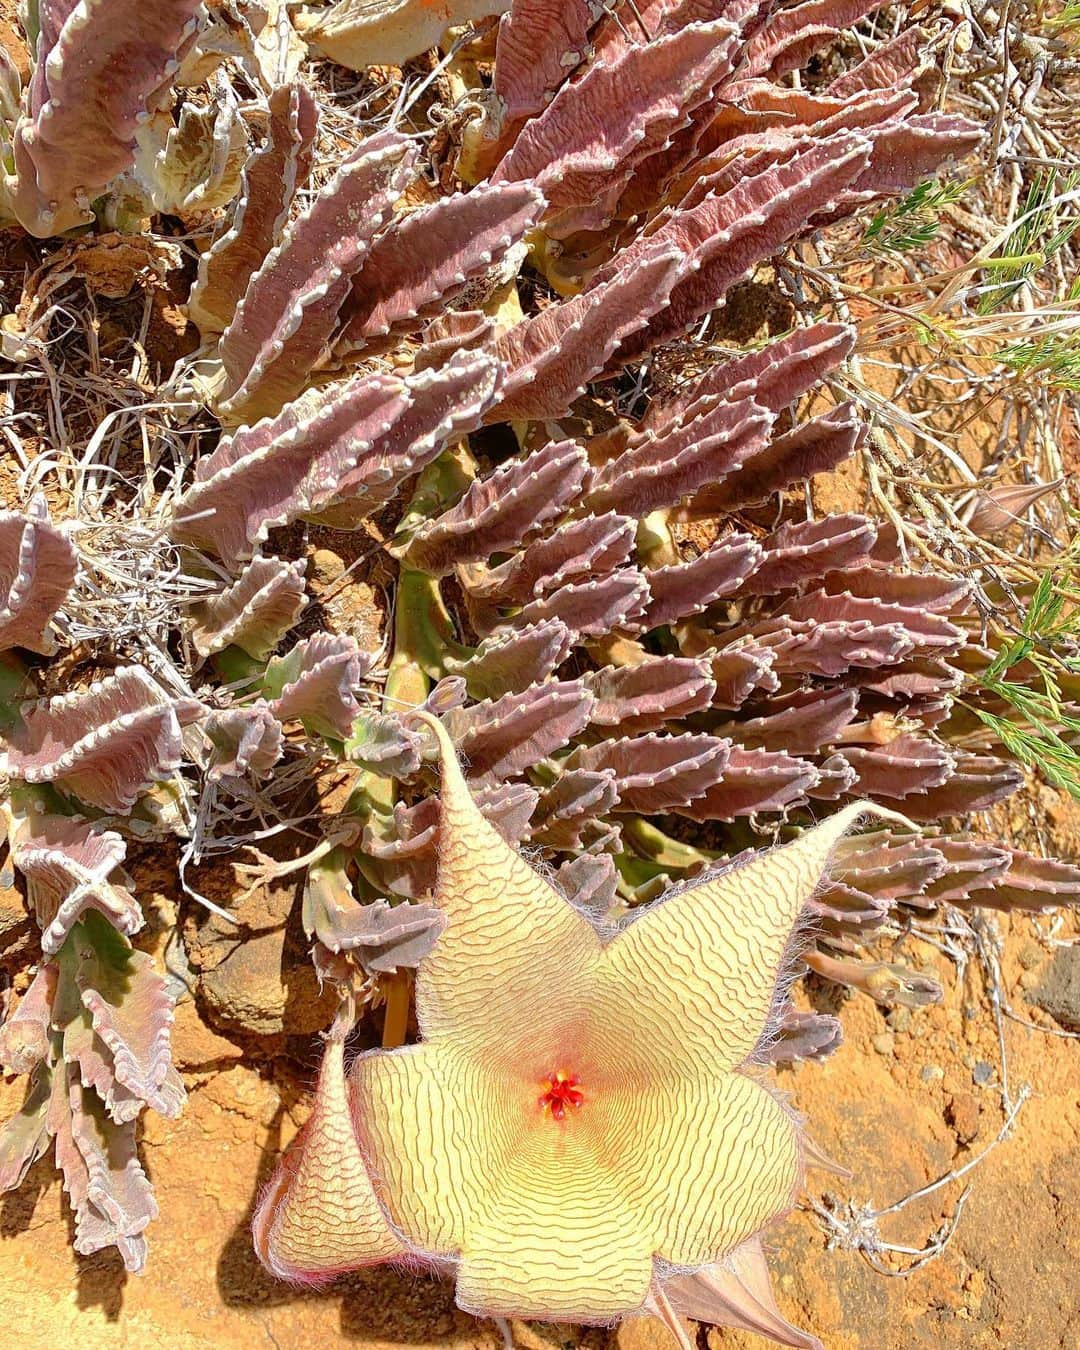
<point x="791" y="36"/>
<point x="255" y="612"/>
<point x="802" y="552"/>
<point x="655" y="472"/>
<point x="106" y="1185"/>
<point x="740" y="669"/>
<point x="721" y="238"/>
<point x="37" y="570"/>
<point x="909" y="764"/>
<point x="811" y="720"/>
<point x="689" y="588"/>
<point x="500" y="511"/>
<point x="424" y="260"/>
<point x="890" y="66"/>
<point x="353" y="444"/>
<point x="246" y="740"/>
<point x="645" y="697"/>
<point x="773" y="376"/>
<point x="976" y="783"/>
<point x="67" y="864"/>
<point x="592" y="608"/>
<point x="271" y="179"/>
<point x="457" y="331"/>
<point x="510" y="661"/>
<point x="284" y="322"/>
<point x="572" y="805"/>
<point x="106" y="744"/>
<point x="590" y="882"/>
<point x="550" y="357"/>
<point x="25" y="1034"/>
<point x="539" y="42"/>
<point x="754" y="781"/>
<point x="970" y="865"/>
<point x="582" y="148"/>
<point x="836" y="778"/>
<point x="928" y="632"/>
<point x="131" y="1011"/>
<point x="314" y="683"/>
<point x="802" y="1035"/>
<point x="810" y="448"/>
<point x="657" y="773"/>
<point x="906" y="152"/>
<point x="82" y="115"/>
<point x="590" y="547"/>
<point x="502" y="738"/>
<point x="917" y="590"/>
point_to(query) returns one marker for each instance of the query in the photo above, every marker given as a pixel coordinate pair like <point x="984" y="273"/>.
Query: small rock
<point x="982" y="1072"/>
<point x="962" y="1112"/>
<point x="884" y="1043"/>
<point x="931" y="1073"/>
<point x="899" y="1019"/>
<point x="326" y="566"/>
<point x="195" y="1045"/>
<point x="18" y="932"/>
<point x="1028" y="979"/>
<point x="260" y="987"/>
<point x="1030" y="955"/>
<point x="1058" y="992"/>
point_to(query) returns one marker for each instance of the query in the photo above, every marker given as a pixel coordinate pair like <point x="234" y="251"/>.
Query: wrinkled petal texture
<point x="557" y="1200"/>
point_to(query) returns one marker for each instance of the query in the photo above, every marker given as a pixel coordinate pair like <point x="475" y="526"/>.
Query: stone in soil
<point x="1058" y="992"/>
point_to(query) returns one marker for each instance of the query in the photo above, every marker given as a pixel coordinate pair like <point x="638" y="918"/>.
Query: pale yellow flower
<point x="582" y="1123"/>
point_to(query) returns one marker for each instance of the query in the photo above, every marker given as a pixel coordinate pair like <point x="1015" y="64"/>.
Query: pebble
<point x="326" y="566"/>
<point x="1028" y="979"/>
<point x="962" y="1112"/>
<point x="884" y="1043"/>
<point x="982" y="1072"/>
<point x="931" y="1073"/>
<point x="1030" y="955"/>
<point x="899" y="1019"/>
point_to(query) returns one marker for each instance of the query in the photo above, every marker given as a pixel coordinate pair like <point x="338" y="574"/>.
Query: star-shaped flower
<point x="583" y="1123"/>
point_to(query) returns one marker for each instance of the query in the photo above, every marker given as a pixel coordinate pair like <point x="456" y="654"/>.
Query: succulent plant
<point x="78" y="126"/>
<point x="607" y="602"/>
<point x="92" y="1029"/>
<point x="626" y="1116"/>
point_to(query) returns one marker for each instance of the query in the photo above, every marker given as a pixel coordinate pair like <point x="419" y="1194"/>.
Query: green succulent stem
<point x="235" y="666"/>
<point x="635" y="872"/>
<point x="423" y="634"/>
<point x="442" y="482"/>
<point x="14" y="687"/>
<point x="653" y="845"/>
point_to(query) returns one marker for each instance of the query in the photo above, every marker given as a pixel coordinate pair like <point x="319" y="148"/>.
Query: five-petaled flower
<point x="582" y="1126"/>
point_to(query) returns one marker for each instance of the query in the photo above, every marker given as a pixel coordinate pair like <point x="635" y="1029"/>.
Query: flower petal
<point x="710" y="956"/>
<point x="470" y="1165"/>
<point x="739" y="1294"/>
<point x="437" y="1128"/>
<point x="560" y="1240"/>
<point x="704" y="1164"/>
<point x="319" y="1215"/>
<point x="502" y="973"/>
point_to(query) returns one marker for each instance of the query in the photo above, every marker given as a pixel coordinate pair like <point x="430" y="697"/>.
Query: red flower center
<point x="561" y="1094"/>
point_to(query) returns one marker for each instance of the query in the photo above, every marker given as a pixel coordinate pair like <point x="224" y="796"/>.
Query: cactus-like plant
<point x="77" y="129"/>
<point x="607" y="603"/>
